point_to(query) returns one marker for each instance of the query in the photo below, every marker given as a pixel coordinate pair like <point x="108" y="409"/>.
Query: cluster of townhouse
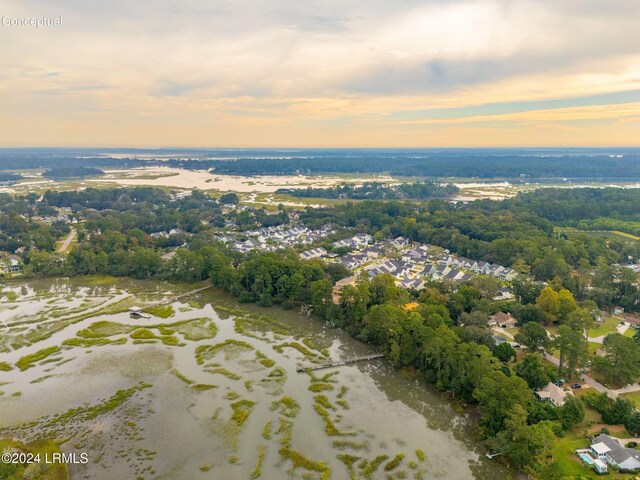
<point x="275" y="238"/>
<point x="412" y="264"/>
<point x="165" y="234"/>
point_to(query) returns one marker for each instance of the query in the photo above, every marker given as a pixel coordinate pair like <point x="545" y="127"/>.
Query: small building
<point x="553" y="394"/>
<point x="503" y="294"/>
<point x="599" y="466"/>
<point x="502" y="320"/>
<point x="339" y="285"/>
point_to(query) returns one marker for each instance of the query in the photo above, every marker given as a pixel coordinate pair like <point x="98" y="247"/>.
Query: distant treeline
<point x="32" y="161"/>
<point x="478" y="163"/>
<point x="465" y="166"/>
<point x="378" y="191"/>
<point x="72" y="172"/>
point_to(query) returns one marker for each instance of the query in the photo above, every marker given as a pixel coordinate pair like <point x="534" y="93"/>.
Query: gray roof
<point x="617" y="452"/>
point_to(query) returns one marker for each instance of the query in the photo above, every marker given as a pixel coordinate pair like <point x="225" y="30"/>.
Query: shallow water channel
<point x="207" y="388"/>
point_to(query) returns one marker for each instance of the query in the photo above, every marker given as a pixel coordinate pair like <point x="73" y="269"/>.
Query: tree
<point x="522" y="444"/>
<point x="504" y="352"/>
<point x="618" y="411"/>
<point x="533" y="370"/>
<point x="533" y="336"/>
<point x="476" y="318"/>
<point x="548" y="305"/>
<point x="470" y="363"/>
<point x="486" y="285"/>
<point x="632" y="424"/>
<point x="571" y="413"/>
<point x="573" y="348"/>
<point x="353" y="303"/>
<point x="383" y="289"/>
<point x="622" y="359"/>
<point x="229" y="198"/>
<point x="567" y="304"/>
<point x="497" y="395"/>
<point x="321" y="298"/>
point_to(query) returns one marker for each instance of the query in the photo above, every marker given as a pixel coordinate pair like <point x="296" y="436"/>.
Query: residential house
<point x="502" y="320"/>
<point x="412" y="284"/>
<point x="362" y="239"/>
<point x="611" y="451"/>
<point x="553" y="394"/>
<point x="373" y="252"/>
<point x="414" y="255"/>
<point x="339" y="285"/>
<point x="503" y="293"/>
<point x="313" y="253"/>
<point x="10" y="264"/>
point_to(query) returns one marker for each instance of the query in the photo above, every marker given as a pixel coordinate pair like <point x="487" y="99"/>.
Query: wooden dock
<point x="178" y="297"/>
<point x="340" y="363"/>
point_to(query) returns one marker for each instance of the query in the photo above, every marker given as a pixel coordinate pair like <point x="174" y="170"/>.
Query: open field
<point x="626" y="235"/>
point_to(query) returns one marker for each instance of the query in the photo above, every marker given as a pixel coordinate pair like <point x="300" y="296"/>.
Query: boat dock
<point x="340" y="363"/>
<point x="139" y="311"/>
<point x="178" y="297"/>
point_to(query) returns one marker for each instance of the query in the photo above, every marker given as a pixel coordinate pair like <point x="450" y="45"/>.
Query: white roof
<point x="600" y="448"/>
<point x="599" y="462"/>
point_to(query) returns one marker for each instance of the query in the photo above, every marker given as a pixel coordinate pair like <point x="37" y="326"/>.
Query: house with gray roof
<point x="611" y="451"/>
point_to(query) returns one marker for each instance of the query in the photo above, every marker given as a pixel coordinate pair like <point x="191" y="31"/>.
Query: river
<point x="208" y="388"/>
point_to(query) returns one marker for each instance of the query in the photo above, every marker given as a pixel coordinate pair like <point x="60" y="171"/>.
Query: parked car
<point x="576" y="386"/>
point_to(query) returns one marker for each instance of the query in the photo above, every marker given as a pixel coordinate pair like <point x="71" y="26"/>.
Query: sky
<point x="321" y="73"/>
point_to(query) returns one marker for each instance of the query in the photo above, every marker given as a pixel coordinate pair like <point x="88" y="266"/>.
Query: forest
<point x="441" y="166"/>
<point x="378" y="191"/>
<point x="72" y="172"/>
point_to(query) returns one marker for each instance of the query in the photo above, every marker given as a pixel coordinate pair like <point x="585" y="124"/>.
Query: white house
<point x="611" y="451"/>
<point x="553" y="394"/>
<point x="503" y="294"/>
<point x="313" y="253"/>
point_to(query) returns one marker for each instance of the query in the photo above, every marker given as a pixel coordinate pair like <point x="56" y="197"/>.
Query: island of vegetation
<point x="72" y="172"/>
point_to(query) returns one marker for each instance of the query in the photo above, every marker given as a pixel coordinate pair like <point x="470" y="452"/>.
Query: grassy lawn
<point x="513" y="331"/>
<point x="630" y="332"/>
<point x="633" y="396"/>
<point x="609" y="325"/>
<point x="593" y="347"/>
<point x="625" y="234"/>
<point x="501" y="335"/>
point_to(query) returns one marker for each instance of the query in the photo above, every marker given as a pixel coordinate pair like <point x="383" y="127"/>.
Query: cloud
<point x="325" y="65"/>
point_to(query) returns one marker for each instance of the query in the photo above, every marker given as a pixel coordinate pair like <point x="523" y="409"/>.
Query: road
<point x="585" y="378"/>
<point x="68" y="240"/>
<point x="502" y="331"/>
<point x="635" y="387"/>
